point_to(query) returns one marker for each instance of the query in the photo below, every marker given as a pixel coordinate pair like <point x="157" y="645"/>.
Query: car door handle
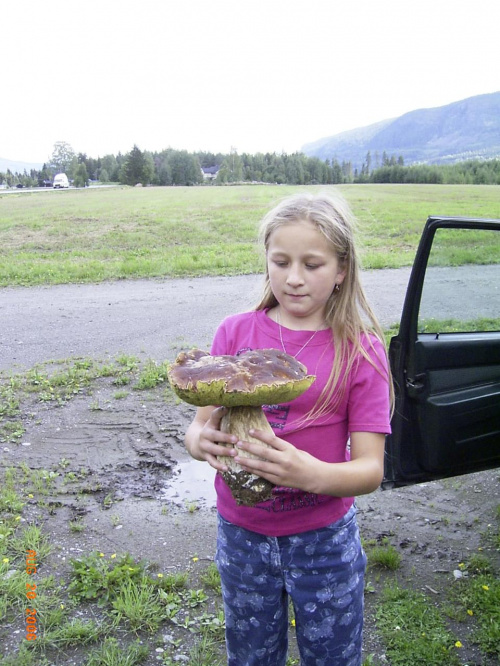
<point x="415" y="385"/>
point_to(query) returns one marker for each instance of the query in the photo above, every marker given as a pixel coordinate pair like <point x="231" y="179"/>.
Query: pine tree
<point x="137" y="169"/>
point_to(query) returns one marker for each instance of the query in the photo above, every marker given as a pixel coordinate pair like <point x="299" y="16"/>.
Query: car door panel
<point x="447" y="416"/>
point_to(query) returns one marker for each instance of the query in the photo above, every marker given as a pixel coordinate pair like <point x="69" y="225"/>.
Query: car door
<point x="446" y="357"/>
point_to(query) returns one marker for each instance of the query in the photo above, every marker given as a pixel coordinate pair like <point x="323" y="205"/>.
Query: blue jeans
<point x="322" y="571"/>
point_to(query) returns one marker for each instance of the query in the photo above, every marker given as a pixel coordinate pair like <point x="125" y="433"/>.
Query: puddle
<point x="193" y="481"/>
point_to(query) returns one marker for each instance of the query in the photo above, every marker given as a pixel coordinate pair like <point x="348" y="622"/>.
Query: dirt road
<point x="142" y="316"/>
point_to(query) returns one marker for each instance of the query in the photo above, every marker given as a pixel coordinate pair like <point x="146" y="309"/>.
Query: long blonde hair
<point x="347" y="311"/>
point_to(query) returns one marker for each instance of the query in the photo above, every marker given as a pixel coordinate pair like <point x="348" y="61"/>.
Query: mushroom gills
<point x="247" y="489"/>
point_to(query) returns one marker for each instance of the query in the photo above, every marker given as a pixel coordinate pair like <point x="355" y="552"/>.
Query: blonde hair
<point x="347" y="311"/>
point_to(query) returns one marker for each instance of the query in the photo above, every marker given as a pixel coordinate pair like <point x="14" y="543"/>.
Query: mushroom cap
<point x="252" y="379"/>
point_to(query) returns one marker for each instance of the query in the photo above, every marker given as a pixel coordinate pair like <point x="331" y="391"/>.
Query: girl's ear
<point x="342" y="272"/>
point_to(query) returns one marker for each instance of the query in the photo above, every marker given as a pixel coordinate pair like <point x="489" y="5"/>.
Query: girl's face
<point x="303" y="271"/>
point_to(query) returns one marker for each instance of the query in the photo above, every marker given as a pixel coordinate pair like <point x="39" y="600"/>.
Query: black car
<point x="446" y="356"/>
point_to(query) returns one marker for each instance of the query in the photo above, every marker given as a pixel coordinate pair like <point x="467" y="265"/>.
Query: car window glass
<point x="461" y="289"/>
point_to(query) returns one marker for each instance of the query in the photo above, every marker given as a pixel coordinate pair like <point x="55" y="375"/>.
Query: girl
<point x="328" y="445"/>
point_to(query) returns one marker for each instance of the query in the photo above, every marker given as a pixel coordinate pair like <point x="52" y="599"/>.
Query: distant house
<point x="210" y="173"/>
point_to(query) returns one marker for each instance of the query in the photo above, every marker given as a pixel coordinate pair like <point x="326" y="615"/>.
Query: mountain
<point x="462" y="130"/>
<point x="16" y="166"/>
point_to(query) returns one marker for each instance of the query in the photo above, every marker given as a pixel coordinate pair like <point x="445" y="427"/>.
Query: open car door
<point x="446" y="357"/>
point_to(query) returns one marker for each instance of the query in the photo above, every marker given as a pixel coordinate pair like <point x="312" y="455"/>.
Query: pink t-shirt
<point x="364" y="408"/>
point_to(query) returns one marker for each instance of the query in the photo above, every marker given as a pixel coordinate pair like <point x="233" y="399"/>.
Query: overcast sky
<point x="256" y="75"/>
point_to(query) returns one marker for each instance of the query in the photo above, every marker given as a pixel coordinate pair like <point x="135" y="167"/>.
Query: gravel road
<point x="142" y="316"/>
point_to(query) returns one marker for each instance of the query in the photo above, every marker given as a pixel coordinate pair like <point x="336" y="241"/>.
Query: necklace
<point x="278" y="321"/>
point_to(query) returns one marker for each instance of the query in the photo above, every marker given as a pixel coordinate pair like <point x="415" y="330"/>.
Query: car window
<point x="461" y="290"/>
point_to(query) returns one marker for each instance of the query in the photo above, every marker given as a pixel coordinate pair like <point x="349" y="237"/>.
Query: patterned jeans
<point x="323" y="573"/>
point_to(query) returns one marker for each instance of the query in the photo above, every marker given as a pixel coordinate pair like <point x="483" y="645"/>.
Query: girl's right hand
<point x="204" y="439"/>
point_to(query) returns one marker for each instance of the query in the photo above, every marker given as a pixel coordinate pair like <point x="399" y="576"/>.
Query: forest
<point x="180" y="167"/>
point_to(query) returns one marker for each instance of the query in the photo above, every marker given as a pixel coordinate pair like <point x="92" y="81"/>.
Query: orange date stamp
<point x="31" y="620"/>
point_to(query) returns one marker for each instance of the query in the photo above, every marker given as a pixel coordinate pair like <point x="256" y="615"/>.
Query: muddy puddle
<point x="191" y="485"/>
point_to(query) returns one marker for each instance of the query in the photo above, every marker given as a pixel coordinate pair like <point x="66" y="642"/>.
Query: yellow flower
<point x="293" y="622"/>
<point x="62" y="606"/>
<point x="18" y="517"/>
<point x="461" y="566"/>
<point x="160" y="575"/>
<point x="30" y="496"/>
<point x="469" y="612"/>
<point x="101" y="554"/>
<point x="113" y="556"/>
<point x="486" y="587"/>
<point x="5" y="560"/>
<point x="195" y="559"/>
<point x="458" y="644"/>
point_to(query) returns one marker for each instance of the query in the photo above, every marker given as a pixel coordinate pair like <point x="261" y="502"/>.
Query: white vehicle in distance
<point x="60" y="181"/>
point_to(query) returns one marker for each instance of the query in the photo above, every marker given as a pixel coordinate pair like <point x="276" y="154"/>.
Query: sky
<point x="215" y="75"/>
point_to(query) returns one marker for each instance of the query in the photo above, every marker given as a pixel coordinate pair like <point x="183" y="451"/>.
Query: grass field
<point x="114" y="233"/>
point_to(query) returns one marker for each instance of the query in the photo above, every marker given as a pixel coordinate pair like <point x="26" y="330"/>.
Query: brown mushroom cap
<point x="252" y="379"/>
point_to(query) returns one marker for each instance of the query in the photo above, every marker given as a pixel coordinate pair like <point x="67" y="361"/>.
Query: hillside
<point x="15" y="166"/>
<point x="462" y="130"/>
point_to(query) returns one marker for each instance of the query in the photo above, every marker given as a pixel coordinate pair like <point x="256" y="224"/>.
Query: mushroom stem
<point x="247" y="489"/>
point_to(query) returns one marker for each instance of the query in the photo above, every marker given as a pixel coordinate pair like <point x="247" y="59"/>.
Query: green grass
<point x="115" y="233"/>
<point x="414" y="630"/>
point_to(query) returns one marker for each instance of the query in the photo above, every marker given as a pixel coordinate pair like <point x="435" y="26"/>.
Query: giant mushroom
<point x="242" y="384"/>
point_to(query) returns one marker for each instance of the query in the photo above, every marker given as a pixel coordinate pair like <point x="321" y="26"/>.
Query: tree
<point x="81" y="178"/>
<point x="137" y="168"/>
<point x="62" y="157"/>
<point x="103" y="176"/>
<point x="109" y="164"/>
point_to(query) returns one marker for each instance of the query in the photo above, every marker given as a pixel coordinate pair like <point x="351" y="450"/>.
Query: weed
<point x="31" y="539"/>
<point x="111" y="654"/>
<point x="191" y="506"/>
<point x="205" y="653"/>
<point x="94" y="577"/>
<point x="211" y="578"/>
<point x="140" y="603"/>
<point x="152" y="375"/>
<point x="385" y="557"/>
<point x="76" y="526"/>
<point x="71" y="633"/>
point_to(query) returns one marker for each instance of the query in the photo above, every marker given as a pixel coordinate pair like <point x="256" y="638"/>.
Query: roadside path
<point x="143" y="316"/>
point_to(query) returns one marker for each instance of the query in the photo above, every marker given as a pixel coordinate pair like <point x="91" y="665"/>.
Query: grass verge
<point x="117" y="233"/>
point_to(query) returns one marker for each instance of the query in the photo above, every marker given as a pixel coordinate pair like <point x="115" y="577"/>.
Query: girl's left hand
<point x="282" y="464"/>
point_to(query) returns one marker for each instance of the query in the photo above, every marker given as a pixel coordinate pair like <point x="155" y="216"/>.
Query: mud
<point x="122" y="470"/>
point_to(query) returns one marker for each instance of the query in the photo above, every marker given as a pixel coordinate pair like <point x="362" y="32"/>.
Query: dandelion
<point x="458" y="644"/>
<point x="18" y="517"/>
<point x="160" y="575"/>
<point x="485" y="587"/>
<point x="30" y="496"/>
<point x="461" y="566"/>
<point x="5" y="560"/>
<point x="113" y="556"/>
<point x="470" y="612"/>
<point x="195" y="559"/>
<point x="293" y="622"/>
<point x="62" y="606"/>
<point x="101" y="554"/>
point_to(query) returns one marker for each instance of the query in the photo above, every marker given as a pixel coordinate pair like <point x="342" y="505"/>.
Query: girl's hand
<point x="283" y="464"/>
<point x="204" y="440"/>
